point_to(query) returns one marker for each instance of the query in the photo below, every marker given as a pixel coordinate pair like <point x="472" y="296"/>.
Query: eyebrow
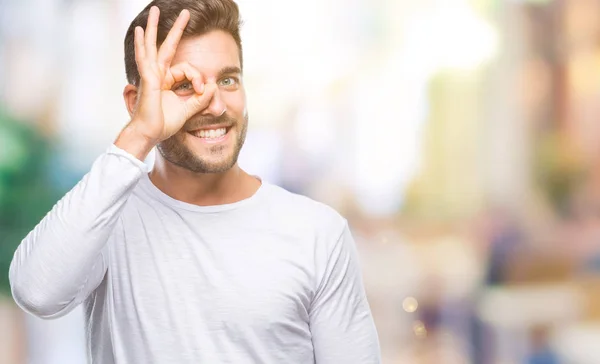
<point x="229" y="70"/>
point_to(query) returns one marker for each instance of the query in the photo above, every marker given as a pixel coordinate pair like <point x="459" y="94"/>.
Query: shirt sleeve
<point x="61" y="261"/>
<point x="341" y="323"/>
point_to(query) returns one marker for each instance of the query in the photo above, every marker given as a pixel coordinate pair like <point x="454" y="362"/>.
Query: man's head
<point x="210" y="43"/>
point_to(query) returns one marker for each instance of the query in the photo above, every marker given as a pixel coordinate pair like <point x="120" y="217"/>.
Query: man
<point x="196" y="261"/>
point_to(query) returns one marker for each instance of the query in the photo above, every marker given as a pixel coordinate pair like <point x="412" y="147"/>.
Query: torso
<point x="205" y="285"/>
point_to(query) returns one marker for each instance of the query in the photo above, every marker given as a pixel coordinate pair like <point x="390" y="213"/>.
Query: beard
<point x="178" y="153"/>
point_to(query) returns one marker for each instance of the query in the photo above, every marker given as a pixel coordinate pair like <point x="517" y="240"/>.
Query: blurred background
<point x="459" y="137"/>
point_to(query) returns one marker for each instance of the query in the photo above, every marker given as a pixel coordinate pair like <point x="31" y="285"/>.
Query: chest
<point x="197" y="276"/>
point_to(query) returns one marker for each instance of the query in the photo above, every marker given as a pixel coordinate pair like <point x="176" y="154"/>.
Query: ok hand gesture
<point x="160" y="112"/>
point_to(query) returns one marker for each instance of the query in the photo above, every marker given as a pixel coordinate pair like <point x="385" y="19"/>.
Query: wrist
<point x="136" y="143"/>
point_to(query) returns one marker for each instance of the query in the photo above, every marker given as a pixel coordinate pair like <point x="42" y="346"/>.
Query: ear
<point x="130" y="96"/>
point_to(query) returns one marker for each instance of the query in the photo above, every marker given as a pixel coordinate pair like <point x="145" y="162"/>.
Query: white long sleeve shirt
<point x="270" y="279"/>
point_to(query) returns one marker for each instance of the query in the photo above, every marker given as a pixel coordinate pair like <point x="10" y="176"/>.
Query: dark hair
<point x="205" y="16"/>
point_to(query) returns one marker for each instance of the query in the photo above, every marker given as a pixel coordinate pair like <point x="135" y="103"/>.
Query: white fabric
<point x="270" y="279"/>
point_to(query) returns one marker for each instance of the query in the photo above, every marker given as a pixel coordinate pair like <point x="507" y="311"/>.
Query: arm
<point x="61" y="261"/>
<point x="341" y="324"/>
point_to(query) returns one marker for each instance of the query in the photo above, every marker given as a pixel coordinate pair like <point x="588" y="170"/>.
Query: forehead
<point x="209" y="52"/>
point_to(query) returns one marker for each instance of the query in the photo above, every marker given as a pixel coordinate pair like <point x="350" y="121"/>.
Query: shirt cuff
<point x="113" y="149"/>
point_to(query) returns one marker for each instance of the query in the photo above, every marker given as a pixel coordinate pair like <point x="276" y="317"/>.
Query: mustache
<point x="203" y="121"/>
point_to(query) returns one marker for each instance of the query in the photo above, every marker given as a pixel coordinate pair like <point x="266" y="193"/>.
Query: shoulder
<point x="300" y="211"/>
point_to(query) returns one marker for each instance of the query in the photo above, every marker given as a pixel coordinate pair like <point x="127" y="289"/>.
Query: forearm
<point x="60" y="262"/>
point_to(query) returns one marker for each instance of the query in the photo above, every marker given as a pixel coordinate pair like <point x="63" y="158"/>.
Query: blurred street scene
<point x="461" y="138"/>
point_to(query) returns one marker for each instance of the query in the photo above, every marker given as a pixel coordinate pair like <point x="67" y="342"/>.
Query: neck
<point x="203" y="189"/>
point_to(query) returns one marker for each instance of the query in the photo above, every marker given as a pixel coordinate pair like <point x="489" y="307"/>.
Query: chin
<point x="217" y="159"/>
<point x="210" y="165"/>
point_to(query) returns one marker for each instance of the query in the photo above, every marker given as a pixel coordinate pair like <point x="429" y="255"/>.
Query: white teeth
<point x="211" y="134"/>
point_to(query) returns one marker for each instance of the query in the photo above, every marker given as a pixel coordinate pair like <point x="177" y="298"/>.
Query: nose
<point x="216" y="107"/>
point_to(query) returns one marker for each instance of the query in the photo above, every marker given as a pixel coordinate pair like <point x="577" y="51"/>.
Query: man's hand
<point x="160" y="112"/>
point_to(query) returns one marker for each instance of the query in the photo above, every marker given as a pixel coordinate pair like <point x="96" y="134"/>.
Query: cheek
<point x="236" y="103"/>
<point x="181" y="137"/>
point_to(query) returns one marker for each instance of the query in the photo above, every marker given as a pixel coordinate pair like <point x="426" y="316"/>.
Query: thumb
<point x="199" y="102"/>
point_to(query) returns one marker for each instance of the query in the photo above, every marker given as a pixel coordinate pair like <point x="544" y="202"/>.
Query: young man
<point x="196" y="261"/>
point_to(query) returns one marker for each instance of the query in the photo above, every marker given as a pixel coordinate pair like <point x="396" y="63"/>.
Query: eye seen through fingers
<point x="184" y="88"/>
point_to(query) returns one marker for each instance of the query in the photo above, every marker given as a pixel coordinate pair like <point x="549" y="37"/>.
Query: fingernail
<point x="201" y="88"/>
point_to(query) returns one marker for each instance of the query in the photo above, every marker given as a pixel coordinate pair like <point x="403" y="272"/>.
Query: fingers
<point x="151" y="30"/>
<point x="167" y="49"/>
<point x="185" y="71"/>
<point x="140" y="50"/>
<point x="197" y="102"/>
<point x="146" y="53"/>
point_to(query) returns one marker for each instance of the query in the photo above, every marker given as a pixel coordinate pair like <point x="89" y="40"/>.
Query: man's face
<point x="211" y="140"/>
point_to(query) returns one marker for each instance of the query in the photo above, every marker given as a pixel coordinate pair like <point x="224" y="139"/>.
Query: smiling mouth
<point x="211" y="135"/>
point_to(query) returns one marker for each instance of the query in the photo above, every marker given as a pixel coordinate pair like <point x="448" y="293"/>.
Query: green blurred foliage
<point x="26" y="193"/>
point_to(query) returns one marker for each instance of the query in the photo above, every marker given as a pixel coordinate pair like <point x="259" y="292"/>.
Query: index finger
<point x="169" y="46"/>
<point x="185" y="71"/>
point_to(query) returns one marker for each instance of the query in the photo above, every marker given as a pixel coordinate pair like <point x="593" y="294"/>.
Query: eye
<point x="184" y="89"/>
<point x="185" y="86"/>
<point x="228" y="81"/>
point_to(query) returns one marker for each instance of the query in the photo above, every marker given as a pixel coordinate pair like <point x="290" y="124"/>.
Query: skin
<point x="188" y="85"/>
